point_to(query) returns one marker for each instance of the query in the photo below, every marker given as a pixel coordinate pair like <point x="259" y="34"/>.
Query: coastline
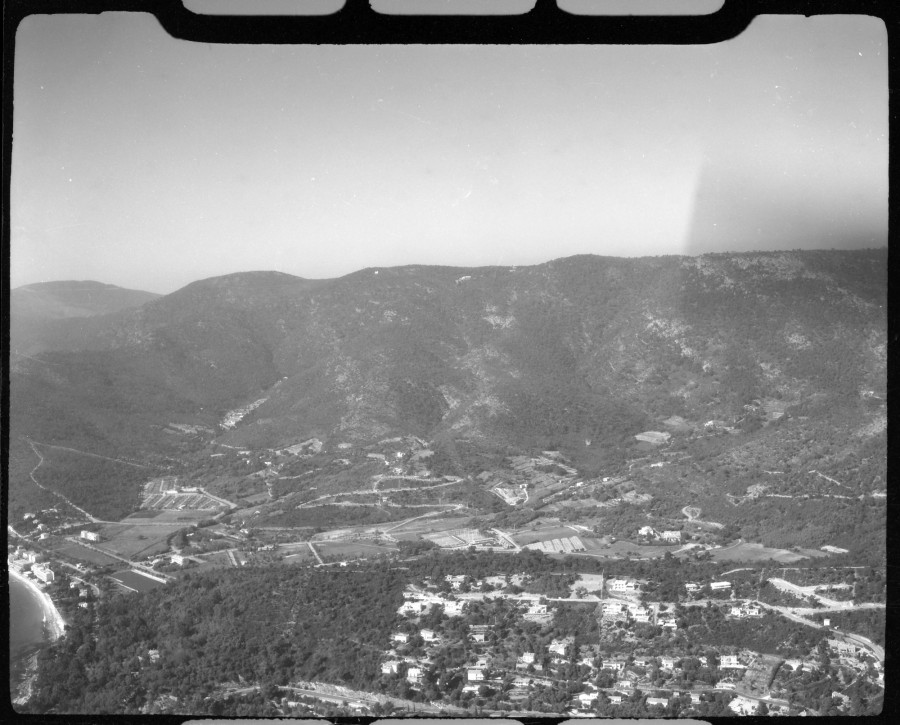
<point x="55" y="624"/>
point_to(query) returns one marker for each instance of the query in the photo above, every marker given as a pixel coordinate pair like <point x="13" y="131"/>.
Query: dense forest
<point x="261" y="624"/>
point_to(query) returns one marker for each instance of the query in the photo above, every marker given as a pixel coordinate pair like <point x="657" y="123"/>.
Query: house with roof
<point x="616" y="664"/>
<point x="614" y="698"/>
<point x="641" y="616"/>
<point x="667" y="663"/>
<point x="667" y="621"/>
<point x="559" y="646"/>
<point x="730" y="662"/>
<point x="389" y="667"/>
<point x="719" y="586"/>
<point x="474" y="674"/>
<point x="663" y="701"/>
<point x="623" y="586"/>
<point x="414" y="675"/>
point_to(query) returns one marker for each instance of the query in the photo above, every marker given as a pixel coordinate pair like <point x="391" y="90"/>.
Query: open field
<point x="134" y="541"/>
<point x="758" y="552"/>
<point x="167" y="517"/>
<point x="136" y="582"/>
<point x="351" y="549"/>
<point x="82" y="553"/>
<point x="426" y="526"/>
<point x="145" y="514"/>
<point x="216" y="560"/>
<point x="544" y="533"/>
<point x="623" y="548"/>
<point x="299" y="555"/>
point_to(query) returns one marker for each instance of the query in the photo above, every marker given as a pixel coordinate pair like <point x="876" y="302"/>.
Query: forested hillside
<point x="577" y="355"/>
<point x="256" y="624"/>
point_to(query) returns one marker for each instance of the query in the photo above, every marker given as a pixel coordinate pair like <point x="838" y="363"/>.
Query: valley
<point x="589" y="416"/>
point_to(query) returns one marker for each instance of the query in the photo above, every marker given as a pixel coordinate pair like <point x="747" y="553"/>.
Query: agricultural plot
<point x="757" y="552"/>
<point x="351" y="549"/>
<point x="456" y="538"/>
<point x="136" y="541"/>
<point x="82" y="553"/>
<point x="299" y="555"/>
<point x="597" y="547"/>
<point x="168" y="517"/>
<point x="565" y="545"/>
<point x="180" y="502"/>
<point x="434" y="525"/>
<point x="135" y="582"/>
<point x="545" y="533"/>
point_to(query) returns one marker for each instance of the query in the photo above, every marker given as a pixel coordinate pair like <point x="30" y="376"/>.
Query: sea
<point x="26" y="631"/>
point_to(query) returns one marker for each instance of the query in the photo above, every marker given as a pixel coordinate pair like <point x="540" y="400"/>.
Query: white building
<point x="717" y="586"/>
<point x="558" y="646"/>
<point x="43" y="572"/>
<point x="622" y="585"/>
<point x="730" y="662"/>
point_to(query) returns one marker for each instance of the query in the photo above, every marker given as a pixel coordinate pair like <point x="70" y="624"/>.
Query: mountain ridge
<point x="577" y="354"/>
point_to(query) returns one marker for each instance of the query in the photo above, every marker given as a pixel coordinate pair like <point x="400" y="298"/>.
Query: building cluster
<point x="516" y="669"/>
<point x="670" y="537"/>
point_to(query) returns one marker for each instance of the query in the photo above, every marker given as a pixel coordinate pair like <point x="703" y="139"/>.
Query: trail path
<point x="46" y="488"/>
<point x="85" y="453"/>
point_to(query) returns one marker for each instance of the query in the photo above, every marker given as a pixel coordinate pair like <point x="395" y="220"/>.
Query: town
<point x="617" y="643"/>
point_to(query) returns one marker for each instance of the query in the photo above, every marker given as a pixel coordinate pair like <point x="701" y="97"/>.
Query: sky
<point x="148" y="162"/>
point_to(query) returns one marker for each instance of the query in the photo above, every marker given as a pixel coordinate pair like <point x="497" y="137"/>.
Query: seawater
<point x="26" y="630"/>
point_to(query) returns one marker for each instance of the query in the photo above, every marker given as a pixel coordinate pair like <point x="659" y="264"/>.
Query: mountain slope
<point x="36" y="309"/>
<point x="579" y="354"/>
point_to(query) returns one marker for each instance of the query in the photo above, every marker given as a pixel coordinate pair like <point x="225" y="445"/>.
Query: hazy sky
<point x="149" y="162"/>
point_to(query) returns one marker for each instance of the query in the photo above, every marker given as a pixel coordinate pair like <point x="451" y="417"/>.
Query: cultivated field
<point x="757" y="552"/>
<point x="135" y="541"/>
<point x="351" y="549"/>
<point x="544" y="533"/>
<point x="181" y="518"/>
<point x="136" y="582"/>
<point x="82" y="553"/>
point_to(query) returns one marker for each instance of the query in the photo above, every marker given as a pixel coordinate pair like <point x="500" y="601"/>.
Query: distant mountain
<point x="578" y="354"/>
<point x="36" y="308"/>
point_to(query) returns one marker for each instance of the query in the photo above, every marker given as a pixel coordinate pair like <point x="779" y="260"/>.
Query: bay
<point x="26" y="630"/>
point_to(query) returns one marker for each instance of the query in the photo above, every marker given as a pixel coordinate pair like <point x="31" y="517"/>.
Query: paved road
<point x="877" y="650"/>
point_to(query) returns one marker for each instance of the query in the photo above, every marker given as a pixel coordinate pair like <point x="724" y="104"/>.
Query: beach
<point x="55" y="624"/>
<point x="53" y="627"/>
